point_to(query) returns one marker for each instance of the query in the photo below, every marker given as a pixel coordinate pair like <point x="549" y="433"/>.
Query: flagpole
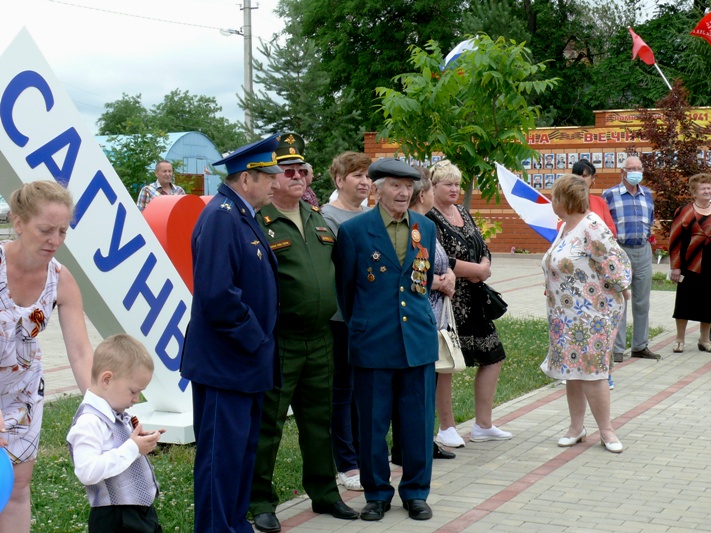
<point x="662" y="75"/>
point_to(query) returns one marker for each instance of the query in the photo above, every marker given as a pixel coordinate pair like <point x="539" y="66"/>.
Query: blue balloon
<point x="7" y="479"/>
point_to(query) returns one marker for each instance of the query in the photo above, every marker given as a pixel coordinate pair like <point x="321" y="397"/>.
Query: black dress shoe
<point x="646" y="353"/>
<point x="336" y="509"/>
<point x="418" y="509"/>
<point x="374" y="510"/>
<point x="267" y="522"/>
<point x="440" y="453"/>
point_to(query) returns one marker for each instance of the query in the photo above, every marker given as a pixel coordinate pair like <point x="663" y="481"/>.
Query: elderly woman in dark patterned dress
<point x="464" y="244"/>
<point x="442" y="285"/>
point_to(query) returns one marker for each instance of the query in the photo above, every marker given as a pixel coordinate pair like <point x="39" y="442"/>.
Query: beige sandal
<point x="678" y="347"/>
<point x="704" y="346"/>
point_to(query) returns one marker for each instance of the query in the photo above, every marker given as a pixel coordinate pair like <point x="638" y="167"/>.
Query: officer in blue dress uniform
<point x="230" y="351"/>
<point x="383" y="278"/>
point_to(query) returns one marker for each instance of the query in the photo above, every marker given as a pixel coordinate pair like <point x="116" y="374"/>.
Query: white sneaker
<point x="350" y="483"/>
<point x="493" y="433"/>
<point x="450" y="438"/>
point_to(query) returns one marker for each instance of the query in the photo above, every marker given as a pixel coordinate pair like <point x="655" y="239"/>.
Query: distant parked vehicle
<point x="4" y="211"/>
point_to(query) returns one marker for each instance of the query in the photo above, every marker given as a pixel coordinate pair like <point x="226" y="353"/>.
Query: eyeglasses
<point x="291" y="172"/>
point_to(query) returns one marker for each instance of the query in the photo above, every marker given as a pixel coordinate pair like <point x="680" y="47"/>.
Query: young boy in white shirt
<point x="109" y="454"/>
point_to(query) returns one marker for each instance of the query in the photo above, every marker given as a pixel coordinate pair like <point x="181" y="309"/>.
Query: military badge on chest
<point x="375" y="256"/>
<point x="421" y="263"/>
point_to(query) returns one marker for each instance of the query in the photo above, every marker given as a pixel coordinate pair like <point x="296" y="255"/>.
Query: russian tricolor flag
<point x="534" y="208"/>
<point x="458" y="50"/>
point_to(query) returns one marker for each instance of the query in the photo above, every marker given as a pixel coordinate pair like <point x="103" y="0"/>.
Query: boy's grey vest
<point x="136" y="485"/>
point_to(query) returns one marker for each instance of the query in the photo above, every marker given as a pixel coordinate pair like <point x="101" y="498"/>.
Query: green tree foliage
<point x="364" y="43"/>
<point x="125" y="116"/>
<point x="572" y="36"/>
<point x="497" y="18"/>
<point x="134" y="156"/>
<point x="476" y="112"/>
<point x="179" y="111"/>
<point x="295" y="97"/>
<point x="675" y="138"/>
<point x="182" y="111"/>
<point x="678" y="54"/>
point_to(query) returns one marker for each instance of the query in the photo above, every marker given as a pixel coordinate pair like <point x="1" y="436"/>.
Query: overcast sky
<point x="98" y="55"/>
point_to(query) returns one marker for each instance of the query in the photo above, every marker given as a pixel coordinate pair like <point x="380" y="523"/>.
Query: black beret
<point x="388" y="167"/>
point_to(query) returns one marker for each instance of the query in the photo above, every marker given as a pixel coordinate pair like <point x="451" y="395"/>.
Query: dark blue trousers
<point x="226" y="427"/>
<point x="410" y="391"/>
<point x="344" y="420"/>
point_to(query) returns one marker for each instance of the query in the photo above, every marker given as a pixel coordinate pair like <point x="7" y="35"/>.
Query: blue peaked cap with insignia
<point x="259" y="155"/>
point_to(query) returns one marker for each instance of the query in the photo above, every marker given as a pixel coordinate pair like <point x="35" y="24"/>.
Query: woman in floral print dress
<point x="587" y="275"/>
<point x="32" y="285"/>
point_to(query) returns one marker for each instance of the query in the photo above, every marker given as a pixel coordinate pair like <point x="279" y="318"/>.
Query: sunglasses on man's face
<point x="291" y="172"/>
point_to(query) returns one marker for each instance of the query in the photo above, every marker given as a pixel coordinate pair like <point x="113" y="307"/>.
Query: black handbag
<point x="492" y="302"/>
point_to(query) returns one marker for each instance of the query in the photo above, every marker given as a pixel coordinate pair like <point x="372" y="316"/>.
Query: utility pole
<point x="247" y="32"/>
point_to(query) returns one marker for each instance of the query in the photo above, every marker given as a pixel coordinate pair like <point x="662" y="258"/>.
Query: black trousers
<point x="124" y="519"/>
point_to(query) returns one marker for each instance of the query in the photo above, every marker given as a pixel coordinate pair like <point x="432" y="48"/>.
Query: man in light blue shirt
<point x="632" y="208"/>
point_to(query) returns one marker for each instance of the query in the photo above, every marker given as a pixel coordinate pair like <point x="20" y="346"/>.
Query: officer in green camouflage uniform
<point x="303" y="244"/>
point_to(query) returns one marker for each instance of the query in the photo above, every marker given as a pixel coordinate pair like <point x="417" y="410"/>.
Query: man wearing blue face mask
<point x="632" y="209"/>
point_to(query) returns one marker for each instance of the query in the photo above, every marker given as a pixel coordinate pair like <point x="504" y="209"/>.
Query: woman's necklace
<point x="453" y="216"/>
<point x="703" y="206"/>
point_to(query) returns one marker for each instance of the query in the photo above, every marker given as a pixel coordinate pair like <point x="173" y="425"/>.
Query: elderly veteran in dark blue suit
<point x="383" y="278"/>
<point x="230" y="352"/>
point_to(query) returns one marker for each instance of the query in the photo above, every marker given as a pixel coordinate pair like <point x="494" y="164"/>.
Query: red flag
<point x="703" y="28"/>
<point x="640" y="48"/>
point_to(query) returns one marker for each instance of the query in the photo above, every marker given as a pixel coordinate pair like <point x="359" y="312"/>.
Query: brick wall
<point x="614" y="134"/>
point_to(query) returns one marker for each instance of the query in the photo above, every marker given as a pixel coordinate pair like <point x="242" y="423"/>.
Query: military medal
<point x="271" y="233"/>
<point x="420" y="265"/>
<point x="259" y="254"/>
<point x="383" y="269"/>
<point x="371" y="277"/>
<point x="376" y="255"/>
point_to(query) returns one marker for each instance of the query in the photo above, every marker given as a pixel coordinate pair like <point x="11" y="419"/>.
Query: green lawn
<point x="59" y="502"/>
<point x="661" y="283"/>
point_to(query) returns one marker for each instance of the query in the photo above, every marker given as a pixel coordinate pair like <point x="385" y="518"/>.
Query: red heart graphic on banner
<point x="172" y="219"/>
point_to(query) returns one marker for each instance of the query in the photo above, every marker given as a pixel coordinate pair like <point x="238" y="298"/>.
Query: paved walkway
<point x="660" y="412"/>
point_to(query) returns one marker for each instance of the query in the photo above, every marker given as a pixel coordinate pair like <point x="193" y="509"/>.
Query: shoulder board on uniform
<point x="315" y="208"/>
<point x="267" y="219"/>
<point x="227" y="205"/>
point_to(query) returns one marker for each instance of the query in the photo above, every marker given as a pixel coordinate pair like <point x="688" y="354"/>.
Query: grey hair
<point x="379" y="183"/>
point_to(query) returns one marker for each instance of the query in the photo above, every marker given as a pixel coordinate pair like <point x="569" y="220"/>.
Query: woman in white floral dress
<point x="32" y="285"/>
<point x="587" y="275"/>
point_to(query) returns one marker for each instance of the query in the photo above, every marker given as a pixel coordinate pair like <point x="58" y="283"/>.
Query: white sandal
<point x="350" y="483"/>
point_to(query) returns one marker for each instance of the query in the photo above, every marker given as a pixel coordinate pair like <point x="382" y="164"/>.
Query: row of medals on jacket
<point x="420" y="266"/>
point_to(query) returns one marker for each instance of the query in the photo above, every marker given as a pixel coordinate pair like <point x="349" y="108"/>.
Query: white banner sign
<point x="127" y="281"/>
